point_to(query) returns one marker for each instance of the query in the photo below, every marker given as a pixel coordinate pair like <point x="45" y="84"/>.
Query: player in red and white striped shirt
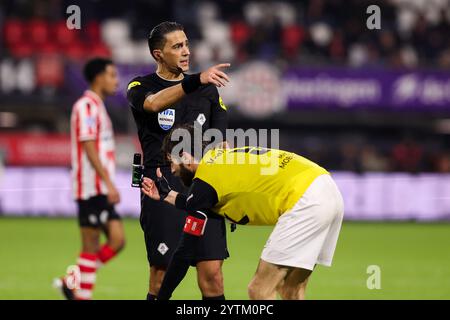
<point x="90" y="123"/>
<point x="93" y="167"/>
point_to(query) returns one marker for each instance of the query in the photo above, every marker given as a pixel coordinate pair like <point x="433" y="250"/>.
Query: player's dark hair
<point x="157" y="37"/>
<point x="196" y="137"/>
<point x="94" y="67"/>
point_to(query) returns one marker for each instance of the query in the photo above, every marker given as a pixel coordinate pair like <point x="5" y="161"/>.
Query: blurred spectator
<point x="350" y="158"/>
<point x="442" y="163"/>
<point x="407" y="156"/>
<point x="372" y="160"/>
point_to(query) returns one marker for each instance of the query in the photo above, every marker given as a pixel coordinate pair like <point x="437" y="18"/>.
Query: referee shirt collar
<point x="170" y="80"/>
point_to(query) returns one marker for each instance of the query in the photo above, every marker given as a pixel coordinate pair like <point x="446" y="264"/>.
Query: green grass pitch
<point x="414" y="260"/>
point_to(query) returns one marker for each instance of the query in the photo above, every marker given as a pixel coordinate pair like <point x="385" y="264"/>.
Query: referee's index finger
<point x="223" y="65"/>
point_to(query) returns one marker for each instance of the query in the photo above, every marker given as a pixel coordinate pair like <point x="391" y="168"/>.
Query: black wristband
<point x="191" y="83"/>
<point x="180" y="201"/>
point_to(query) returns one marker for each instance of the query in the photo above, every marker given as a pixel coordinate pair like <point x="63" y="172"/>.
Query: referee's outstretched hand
<point x="149" y="188"/>
<point x="215" y="76"/>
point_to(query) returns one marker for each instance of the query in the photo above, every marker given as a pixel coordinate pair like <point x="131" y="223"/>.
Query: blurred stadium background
<point x="372" y="106"/>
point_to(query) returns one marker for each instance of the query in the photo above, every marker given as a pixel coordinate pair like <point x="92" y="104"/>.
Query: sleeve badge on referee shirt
<point x="133" y="84"/>
<point x="222" y="105"/>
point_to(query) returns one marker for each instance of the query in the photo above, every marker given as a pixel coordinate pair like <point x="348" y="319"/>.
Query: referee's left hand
<point x="215" y="75"/>
<point x="149" y="189"/>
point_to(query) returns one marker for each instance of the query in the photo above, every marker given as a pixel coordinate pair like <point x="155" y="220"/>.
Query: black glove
<point x="163" y="187"/>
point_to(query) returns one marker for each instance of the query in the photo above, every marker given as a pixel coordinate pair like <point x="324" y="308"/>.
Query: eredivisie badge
<point x="166" y="119"/>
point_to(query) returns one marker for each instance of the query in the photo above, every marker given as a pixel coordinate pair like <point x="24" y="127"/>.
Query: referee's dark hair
<point x="195" y="136"/>
<point x="94" y="67"/>
<point x="157" y="37"/>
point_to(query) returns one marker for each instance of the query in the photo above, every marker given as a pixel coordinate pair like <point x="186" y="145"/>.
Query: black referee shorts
<point x="163" y="225"/>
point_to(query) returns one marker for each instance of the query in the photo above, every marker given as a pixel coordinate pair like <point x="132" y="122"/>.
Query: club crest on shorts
<point x="163" y="248"/>
<point x="166" y="119"/>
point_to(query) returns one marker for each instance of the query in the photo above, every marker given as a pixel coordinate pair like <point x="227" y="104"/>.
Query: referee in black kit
<point x="158" y="102"/>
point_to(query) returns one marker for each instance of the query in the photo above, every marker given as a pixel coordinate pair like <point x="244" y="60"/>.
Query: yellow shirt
<point x="256" y="185"/>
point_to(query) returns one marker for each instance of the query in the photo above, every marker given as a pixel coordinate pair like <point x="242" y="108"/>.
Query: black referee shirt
<point x="204" y="106"/>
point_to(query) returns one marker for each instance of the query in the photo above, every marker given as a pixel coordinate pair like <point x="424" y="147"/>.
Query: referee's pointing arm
<point x="165" y="98"/>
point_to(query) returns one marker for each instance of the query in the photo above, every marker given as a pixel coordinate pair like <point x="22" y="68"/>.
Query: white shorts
<point x="307" y="234"/>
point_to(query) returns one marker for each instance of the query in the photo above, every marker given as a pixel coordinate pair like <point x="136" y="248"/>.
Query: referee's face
<point x="175" y="54"/>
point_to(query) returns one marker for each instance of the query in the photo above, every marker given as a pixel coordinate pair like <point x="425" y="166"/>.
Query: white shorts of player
<point x="307" y="234"/>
